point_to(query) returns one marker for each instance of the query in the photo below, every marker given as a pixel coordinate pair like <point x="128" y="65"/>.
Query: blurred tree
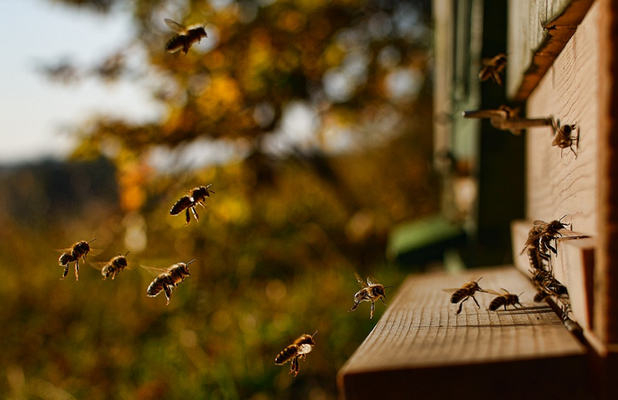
<point x="311" y="120"/>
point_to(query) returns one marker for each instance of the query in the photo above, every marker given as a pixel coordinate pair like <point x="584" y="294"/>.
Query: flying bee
<point x="168" y="279"/>
<point x="195" y="197"/>
<point x="371" y="291"/>
<point x="466" y="292"/>
<point x="297" y="350"/>
<point x="79" y="250"/>
<point x="564" y="136"/>
<point x="504" y="299"/>
<point x="113" y="266"/>
<point x="492" y="67"/>
<point x="185" y="38"/>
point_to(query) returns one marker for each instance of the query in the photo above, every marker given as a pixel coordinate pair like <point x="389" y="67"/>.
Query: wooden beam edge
<point x="558" y="31"/>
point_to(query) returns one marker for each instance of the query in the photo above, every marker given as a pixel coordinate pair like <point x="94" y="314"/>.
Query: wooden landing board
<point x="420" y="348"/>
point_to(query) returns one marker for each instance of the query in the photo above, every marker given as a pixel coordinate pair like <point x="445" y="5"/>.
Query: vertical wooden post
<point x="606" y="274"/>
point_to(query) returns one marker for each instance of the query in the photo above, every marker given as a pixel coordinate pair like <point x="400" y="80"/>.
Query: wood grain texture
<point x="420" y="347"/>
<point x="558" y="183"/>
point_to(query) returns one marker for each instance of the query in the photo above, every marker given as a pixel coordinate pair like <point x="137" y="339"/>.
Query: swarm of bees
<point x="185" y="36"/>
<point x="297" y="350"/>
<point x="196" y="197"/>
<point x="539" y="247"/>
<point x="492" y="68"/>
<point x="371" y="291"/>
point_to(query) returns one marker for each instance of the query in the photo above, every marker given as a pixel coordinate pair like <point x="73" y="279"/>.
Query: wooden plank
<point x="538" y="31"/>
<point x="420" y="347"/>
<point x="606" y="272"/>
<point x="559" y="183"/>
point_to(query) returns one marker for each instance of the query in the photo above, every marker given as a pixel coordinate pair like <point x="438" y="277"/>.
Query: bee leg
<point x="65" y="272"/>
<point x="461" y="306"/>
<point x="354" y="306"/>
<point x="372" y="308"/>
<point x="187" y="216"/>
<point x="197" y="217"/>
<point x="477" y="303"/>
<point x="295" y="367"/>
<point x="77" y="270"/>
<point x="168" y="294"/>
<point x="382" y="299"/>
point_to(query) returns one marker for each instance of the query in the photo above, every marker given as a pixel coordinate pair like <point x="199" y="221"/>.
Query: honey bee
<point x="466" y="292"/>
<point x="371" y="291"/>
<point x="547" y="285"/>
<point x="564" y="136"/>
<point x="542" y="233"/>
<point x="185" y="38"/>
<point x="492" y="67"/>
<point x="114" y="266"/>
<point x="504" y="299"/>
<point x="195" y="197"/>
<point x="168" y="279"/>
<point x="297" y="350"/>
<point x="79" y="250"/>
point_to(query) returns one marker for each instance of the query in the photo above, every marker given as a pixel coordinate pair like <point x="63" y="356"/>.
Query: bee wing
<point x="450" y="290"/>
<point x="493" y="292"/>
<point x="176" y="27"/>
<point x="154" y="270"/>
<point x="372" y="281"/>
<point x="98" y="265"/>
<point x="360" y="280"/>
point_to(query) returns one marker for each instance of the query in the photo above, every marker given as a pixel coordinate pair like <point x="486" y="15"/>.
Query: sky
<point x="36" y="114"/>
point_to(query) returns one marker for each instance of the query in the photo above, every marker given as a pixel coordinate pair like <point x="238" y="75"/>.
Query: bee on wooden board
<point x="168" y="279"/>
<point x="113" y="266"/>
<point x="465" y="292"/>
<point x="492" y="68"/>
<point x="504" y="299"/>
<point x="371" y="291"/>
<point x="79" y="250"/>
<point x="564" y="136"/>
<point x="188" y="202"/>
<point x="544" y="233"/>
<point x="185" y="38"/>
<point x="297" y="350"/>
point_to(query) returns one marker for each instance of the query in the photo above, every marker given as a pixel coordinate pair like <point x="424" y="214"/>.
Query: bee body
<point x="168" y="280"/>
<point x="466" y="292"/>
<point x="185" y="38"/>
<point x="564" y="136"/>
<point x="114" y="266"/>
<point x="79" y="250"/>
<point x="294" y="352"/>
<point x="504" y="299"/>
<point x="196" y="197"/>
<point x="371" y="291"/>
<point x="492" y="68"/>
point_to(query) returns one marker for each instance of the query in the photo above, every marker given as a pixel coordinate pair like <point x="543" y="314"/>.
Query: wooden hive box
<point x="563" y="62"/>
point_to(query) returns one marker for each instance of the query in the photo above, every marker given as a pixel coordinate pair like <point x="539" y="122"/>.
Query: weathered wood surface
<point x="559" y="183"/>
<point x="421" y="348"/>
<point x="538" y="31"/>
